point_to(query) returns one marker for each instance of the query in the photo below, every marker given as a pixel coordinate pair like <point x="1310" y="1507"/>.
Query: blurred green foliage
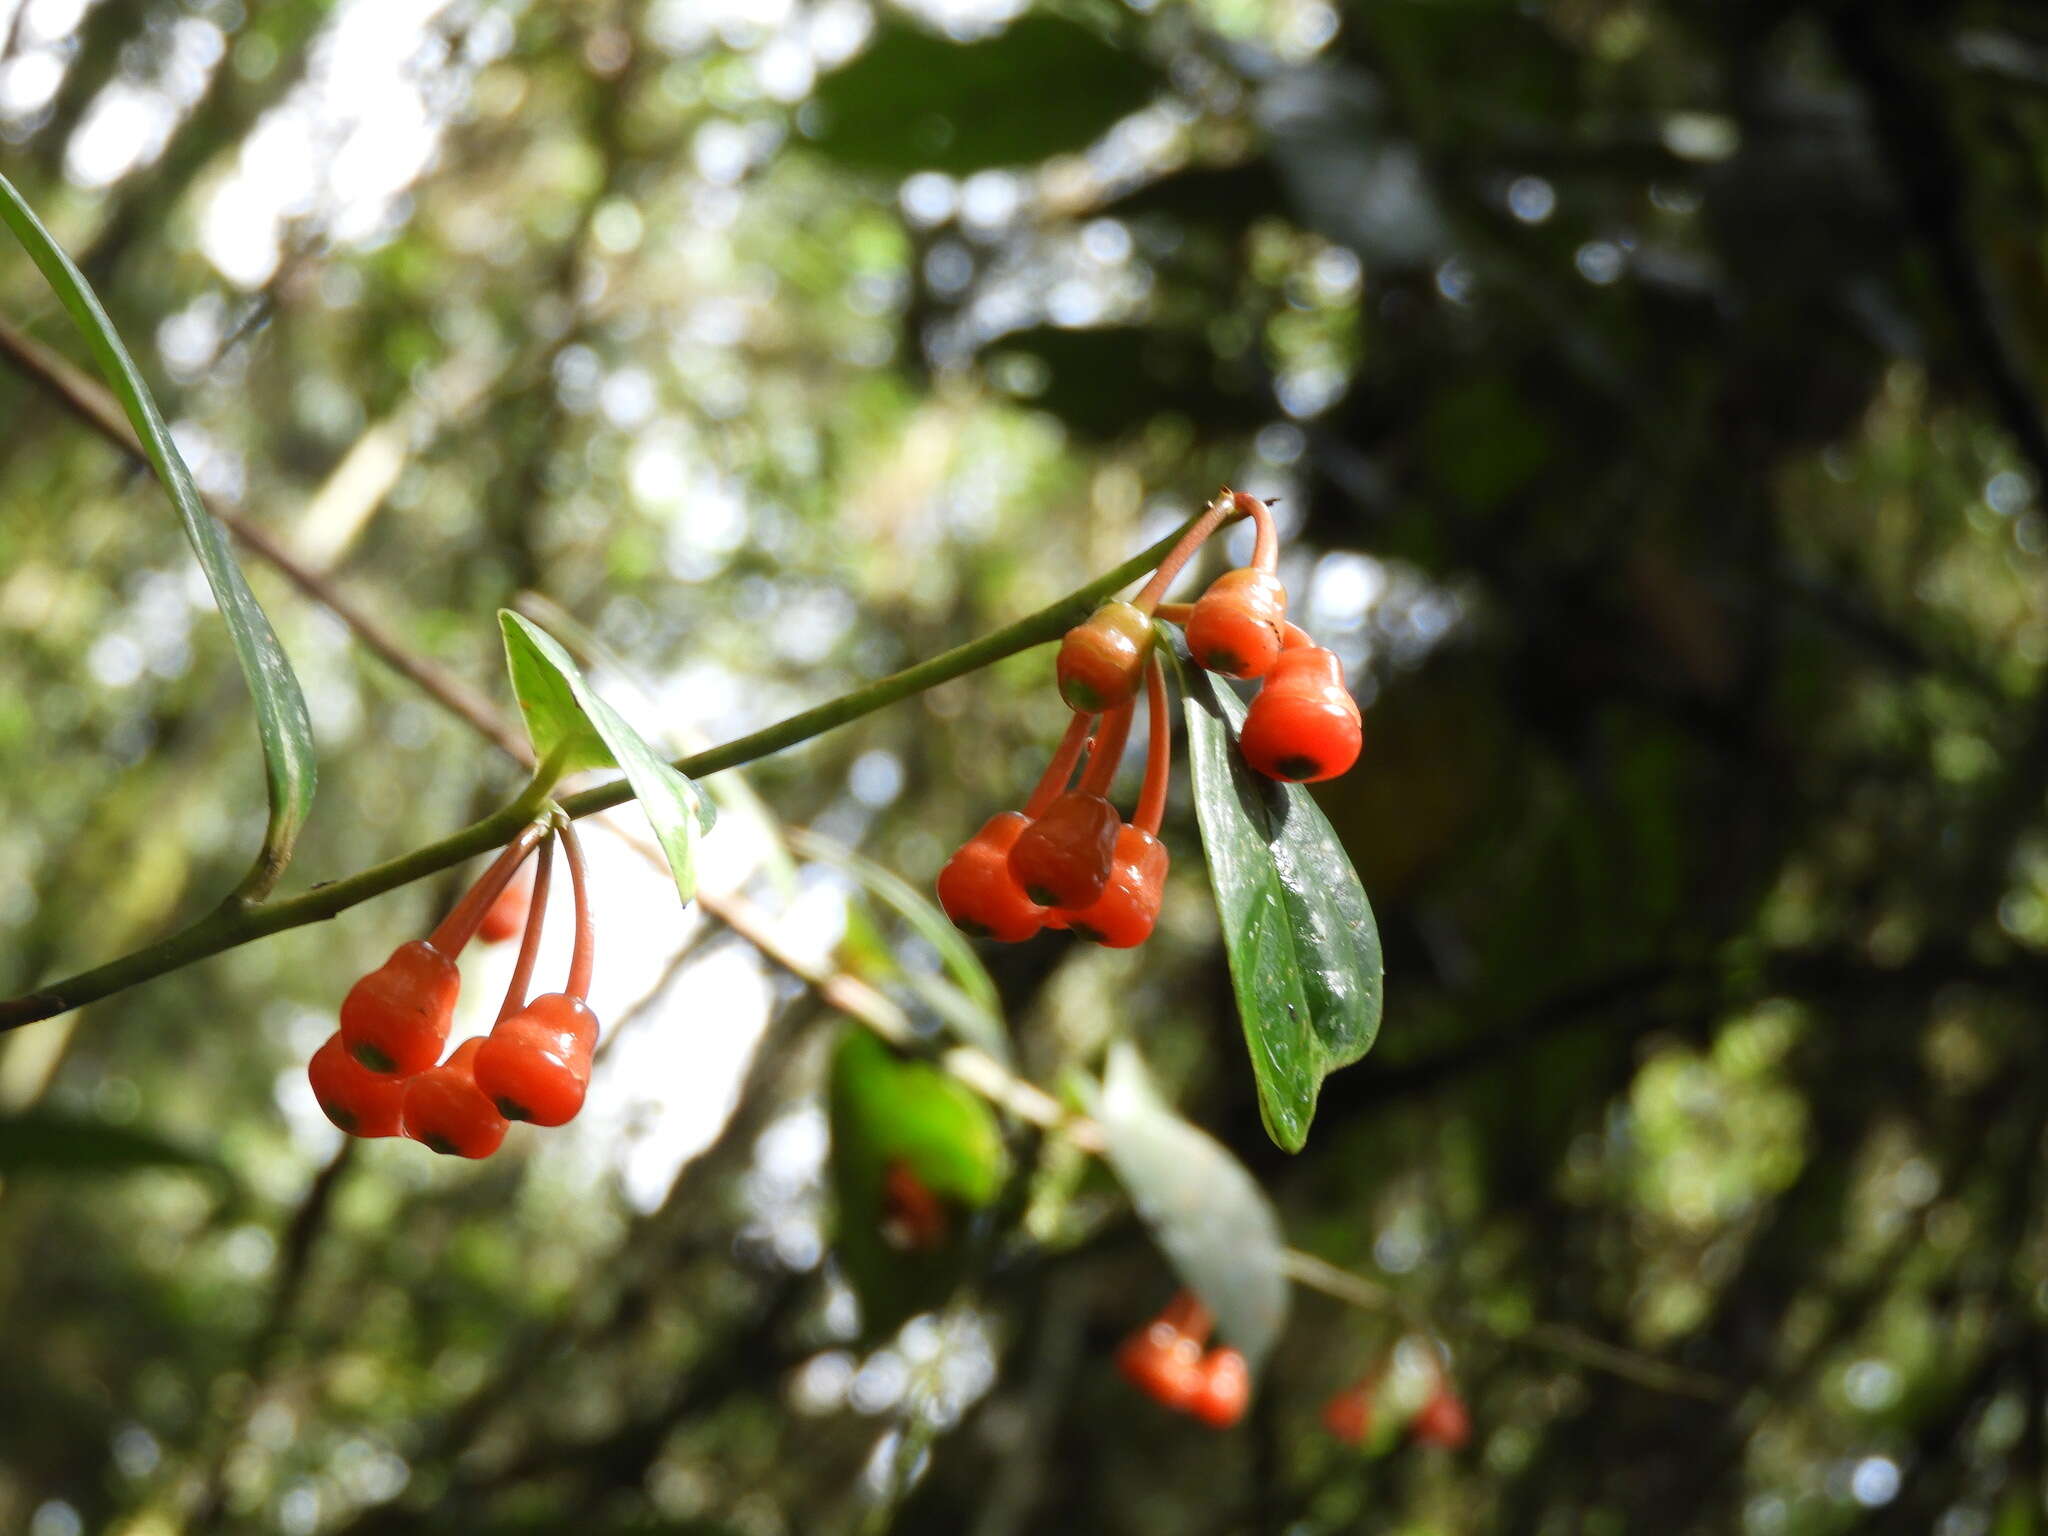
<point x="1653" y="392"/>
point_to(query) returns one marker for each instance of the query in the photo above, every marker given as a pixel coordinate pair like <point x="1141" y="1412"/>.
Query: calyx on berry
<point x="1304" y="726"/>
<point x="359" y="1101"/>
<point x="445" y="1110"/>
<point x="1102" y="657"/>
<point x="1063" y="858"/>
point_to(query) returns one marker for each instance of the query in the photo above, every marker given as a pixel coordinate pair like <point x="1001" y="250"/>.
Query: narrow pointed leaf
<point x="1304" y="949"/>
<point x="1208" y="1214"/>
<point x="574" y="728"/>
<point x="281" y="720"/>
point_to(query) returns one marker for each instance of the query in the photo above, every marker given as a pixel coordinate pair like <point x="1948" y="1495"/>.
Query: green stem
<point x="238" y="923"/>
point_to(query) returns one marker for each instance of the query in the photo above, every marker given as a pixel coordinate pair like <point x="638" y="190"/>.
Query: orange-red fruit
<point x="1226" y="1389"/>
<point x="1236" y="625"/>
<point x="976" y="888"/>
<point x="506" y="916"/>
<point x="535" y="1066"/>
<point x="1102" y="659"/>
<point x="1123" y="915"/>
<point x="1304" y="724"/>
<point x="913" y="1218"/>
<point x="353" y="1097"/>
<point x="395" y="1020"/>
<point x="1063" y="859"/>
<point x="1163" y="1363"/>
<point x="446" y="1111"/>
<point x="1443" y="1421"/>
<point x="1348" y="1415"/>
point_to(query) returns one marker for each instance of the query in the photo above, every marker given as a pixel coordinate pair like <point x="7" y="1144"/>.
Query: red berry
<point x="1235" y="628"/>
<point x="446" y="1111"/>
<point x="1226" y="1389"/>
<point x="354" y="1098"/>
<point x="1102" y="658"/>
<point x="1063" y="858"/>
<point x="1348" y="1415"/>
<point x="913" y="1218"/>
<point x="1123" y="915"/>
<point x="1304" y="724"/>
<point x="1443" y="1421"/>
<point x="977" y="891"/>
<point x="506" y="917"/>
<point x="535" y="1066"/>
<point x="395" y="1020"/>
<point x="1163" y="1363"/>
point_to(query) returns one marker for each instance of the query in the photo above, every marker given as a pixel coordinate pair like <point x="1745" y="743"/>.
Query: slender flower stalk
<point x="584" y="956"/>
<point x="1061" y="768"/>
<point x="1158" y="752"/>
<point x="529" y="943"/>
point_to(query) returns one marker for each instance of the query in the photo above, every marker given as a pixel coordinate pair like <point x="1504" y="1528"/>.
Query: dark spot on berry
<point x="369" y="1056"/>
<point x="1080" y="695"/>
<point x="513" y="1110"/>
<point x="1298" y="767"/>
<point x="971" y="928"/>
<point x="1086" y="932"/>
<point x="1041" y="895"/>
<point x="440" y="1144"/>
<point x="340" y="1116"/>
<point x="1219" y="659"/>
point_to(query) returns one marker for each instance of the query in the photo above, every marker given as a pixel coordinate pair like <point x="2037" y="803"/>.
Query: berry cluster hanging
<point x="1166" y="1361"/>
<point x="382" y="1073"/>
<point x="1067" y="859"/>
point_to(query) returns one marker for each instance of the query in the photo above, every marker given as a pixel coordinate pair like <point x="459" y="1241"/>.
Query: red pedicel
<point x="1304" y="725"/>
<point x="1442" y="1421"/>
<point x="356" y="1099"/>
<point x="445" y="1110"/>
<point x="913" y="1217"/>
<point x="1236" y="625"/>
<point x="1123" y="915"/>
<point x="507" y="915"/>
<point x="1226" y="1389"/>
<point x="976" y="889"/>
<point x="535" y="1066"/>
<point x="395" y="1020"/>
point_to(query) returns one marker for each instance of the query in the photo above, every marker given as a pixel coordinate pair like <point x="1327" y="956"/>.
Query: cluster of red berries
<point x="1067" y="859"/>
<point x="382" y="1074"/>
<point x="1441" y="1420"/>
<point x="1167" y="1361"/>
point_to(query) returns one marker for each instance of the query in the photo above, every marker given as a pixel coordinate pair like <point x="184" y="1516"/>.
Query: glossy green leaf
<point x="1304" y="949"/>
<point x="1208" y="1214"/>
<point x="282" y="724"/>
<point x="971" y="1005"/>
<point x="887" y="1108"/>
<point x="572" y="727"/>
<point x="914" y="100"/>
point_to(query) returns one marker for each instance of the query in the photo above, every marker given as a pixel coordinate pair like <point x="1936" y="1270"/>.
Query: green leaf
<point x="887" y="1108"/>
<point x="571" y="727"/>
<point x="1304" y="949"/>
<point x="281" y="720"/>
<point x="971" y="1006"/>
<point x="914" y="100"/>
<point x="44" y="1141"/>
<point x="1209" y="1215"/>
